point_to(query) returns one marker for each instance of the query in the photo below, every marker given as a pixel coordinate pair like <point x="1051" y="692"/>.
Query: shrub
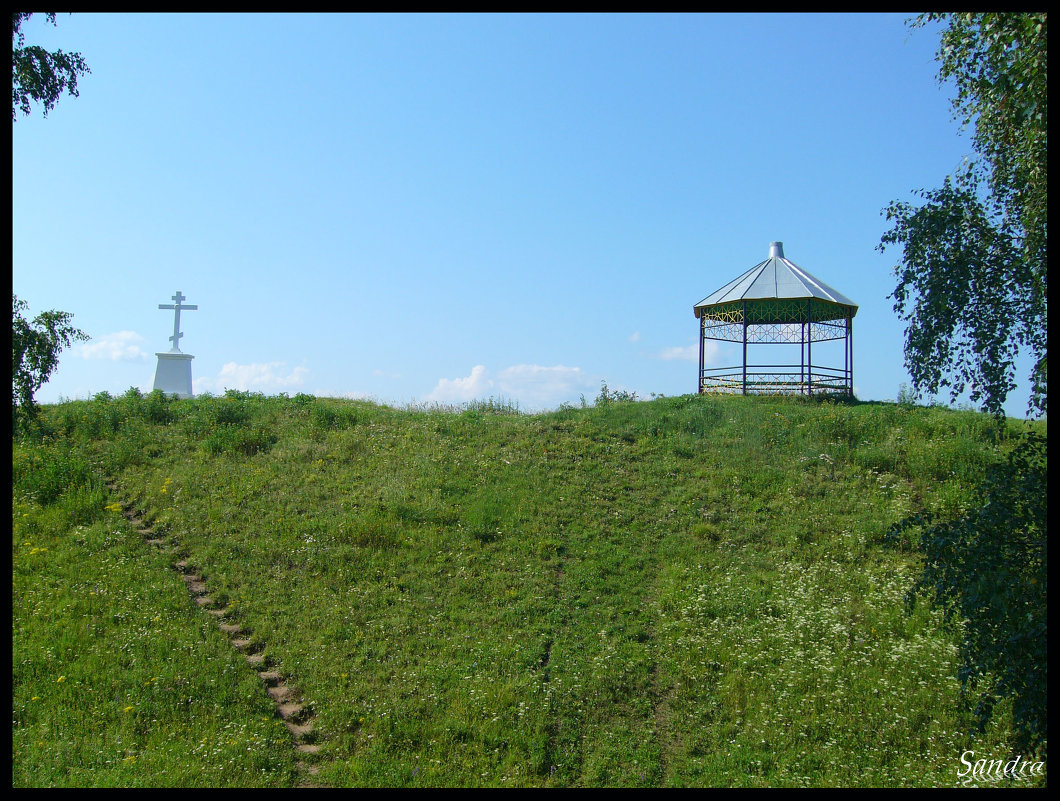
<point x="46" y="472"/>
<point x="158" y="408"/>
<point x="238" y="440"/>
<point x="609" y="396"/>
<point x="988" y="567"/>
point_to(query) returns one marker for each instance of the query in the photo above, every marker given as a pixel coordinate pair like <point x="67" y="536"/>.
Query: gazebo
<point x="776" y="302"/>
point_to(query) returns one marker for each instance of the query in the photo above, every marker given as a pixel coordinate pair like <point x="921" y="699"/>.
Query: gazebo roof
<point x="774" y="278"/>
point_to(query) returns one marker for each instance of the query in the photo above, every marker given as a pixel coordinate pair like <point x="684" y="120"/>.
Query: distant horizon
<point x="590" y="399"/>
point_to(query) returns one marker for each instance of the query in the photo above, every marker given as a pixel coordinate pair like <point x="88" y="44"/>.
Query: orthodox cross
<point x="177" y="308"/>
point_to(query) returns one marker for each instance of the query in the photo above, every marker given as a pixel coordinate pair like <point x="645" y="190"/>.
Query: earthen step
<point x="298" y="730"/>
<point x="279" y="693"/>
<point x="290" y="711"/>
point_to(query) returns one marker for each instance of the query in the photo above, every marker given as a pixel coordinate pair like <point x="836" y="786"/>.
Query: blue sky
<point x="447" y="207"/>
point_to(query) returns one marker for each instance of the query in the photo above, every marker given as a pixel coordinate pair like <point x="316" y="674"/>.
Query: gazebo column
<point x="802" y="356"/>
<point x="809" y="347"/>
<point x="745" y="347"/>
<point x="849" y="357"/>
<point x="702" y="336"/>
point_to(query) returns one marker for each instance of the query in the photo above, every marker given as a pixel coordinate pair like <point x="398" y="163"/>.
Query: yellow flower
<point x="60" y="680"/>
<point x="129" y="709"/>
<point x="35" y="698"/>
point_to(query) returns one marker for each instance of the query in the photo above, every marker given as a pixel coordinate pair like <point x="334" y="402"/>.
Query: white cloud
<point x="537" y="387"/>
<point x="690" y="353"/>
<point x="634" y="337"/>
<point x="532" y="386"/>
<point x="265" y="377"/>
<point x="460" y="390"/>
<point x="121" y="346"/>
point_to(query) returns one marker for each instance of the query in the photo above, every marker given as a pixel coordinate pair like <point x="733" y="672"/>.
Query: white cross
<point x="176" y="319"/>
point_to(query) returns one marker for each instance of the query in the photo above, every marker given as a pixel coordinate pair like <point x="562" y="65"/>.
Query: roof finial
<point x="776" y="250"/>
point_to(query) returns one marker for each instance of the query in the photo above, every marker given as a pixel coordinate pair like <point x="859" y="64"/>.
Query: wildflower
<point x="129" y="709"/>
<point x="60" y="680"/>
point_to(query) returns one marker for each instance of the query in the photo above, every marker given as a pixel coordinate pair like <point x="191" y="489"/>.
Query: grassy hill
<point x="686" y="591"/>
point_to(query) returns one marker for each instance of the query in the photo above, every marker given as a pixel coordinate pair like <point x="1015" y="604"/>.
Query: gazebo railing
<point x="776" y="379"/>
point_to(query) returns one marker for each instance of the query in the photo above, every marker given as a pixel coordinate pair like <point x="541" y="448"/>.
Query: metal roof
<point x="776" y="277"/>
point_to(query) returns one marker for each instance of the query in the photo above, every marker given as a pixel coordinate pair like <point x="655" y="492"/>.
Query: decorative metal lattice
<point x="775" y="321"/>
<point x="728" y="380"/>
<point x="786" y="321"/>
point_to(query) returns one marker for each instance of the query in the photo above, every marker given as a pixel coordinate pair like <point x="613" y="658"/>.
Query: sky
<point x="434" y="209"/>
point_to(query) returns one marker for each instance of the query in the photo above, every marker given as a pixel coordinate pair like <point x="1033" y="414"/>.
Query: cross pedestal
<point x="173" y="374"/>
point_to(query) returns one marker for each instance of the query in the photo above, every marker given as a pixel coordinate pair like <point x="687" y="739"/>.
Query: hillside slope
<point x="686" y="591"/>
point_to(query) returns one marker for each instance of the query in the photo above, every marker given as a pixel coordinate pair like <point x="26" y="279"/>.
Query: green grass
<point x="682" y="592"/>
<point x="118" y="678"/>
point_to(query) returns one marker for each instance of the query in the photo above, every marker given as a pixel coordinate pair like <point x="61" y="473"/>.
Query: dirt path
<point x="296" y="715"/>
